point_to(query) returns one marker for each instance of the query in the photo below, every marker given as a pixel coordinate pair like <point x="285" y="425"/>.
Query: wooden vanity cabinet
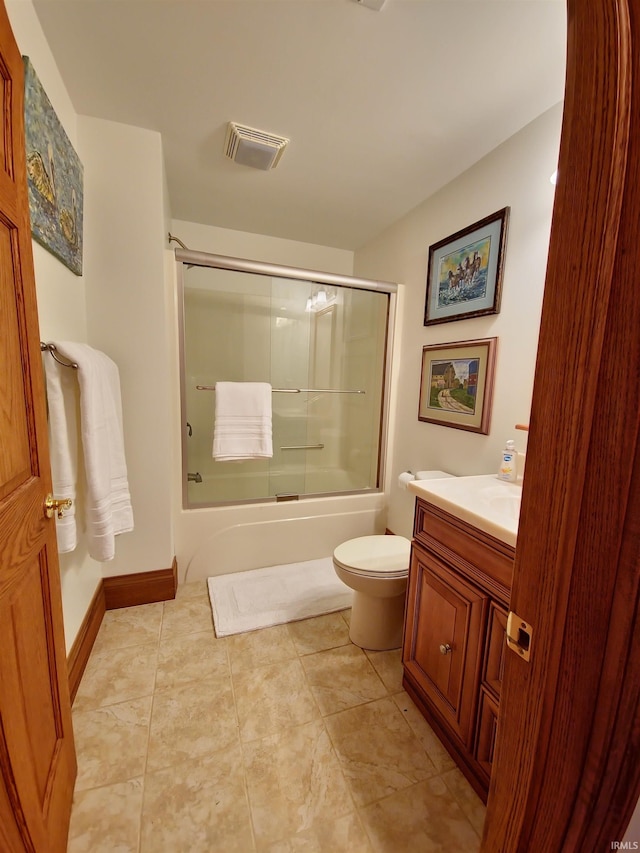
<point x="453" y="648"/>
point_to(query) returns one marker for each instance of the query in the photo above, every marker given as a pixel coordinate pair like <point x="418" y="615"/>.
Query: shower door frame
<point x="188" y="257"/>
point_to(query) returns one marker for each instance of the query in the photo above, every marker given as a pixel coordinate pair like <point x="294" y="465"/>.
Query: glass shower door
<point x="323" y="351"/>
<point x="289" y="370"/>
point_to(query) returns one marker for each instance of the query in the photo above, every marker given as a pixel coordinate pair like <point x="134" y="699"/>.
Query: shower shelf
<point x="293" y="390"/>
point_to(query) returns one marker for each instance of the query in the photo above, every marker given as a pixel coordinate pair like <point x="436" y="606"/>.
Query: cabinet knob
<point x="445" y="649"/>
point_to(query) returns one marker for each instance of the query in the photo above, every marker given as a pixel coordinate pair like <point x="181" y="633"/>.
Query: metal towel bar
<point x="51" y="348"/>
<point x="293" y="390"/>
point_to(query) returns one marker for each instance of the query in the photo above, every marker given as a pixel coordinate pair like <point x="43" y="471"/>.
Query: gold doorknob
<point x="56" y="506"/>
<point x="445" y="649"/>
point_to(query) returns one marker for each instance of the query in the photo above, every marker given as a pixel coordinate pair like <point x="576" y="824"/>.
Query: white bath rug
<point x="246" y="601"/>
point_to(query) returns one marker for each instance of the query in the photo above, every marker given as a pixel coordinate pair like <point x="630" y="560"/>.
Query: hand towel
<point x="242" y="428"/>
<point x="63" y="431"/>
<point x="108" y="510"/>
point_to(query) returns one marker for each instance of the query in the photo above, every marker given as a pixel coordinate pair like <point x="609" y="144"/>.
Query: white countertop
<point x="490" y="504"/>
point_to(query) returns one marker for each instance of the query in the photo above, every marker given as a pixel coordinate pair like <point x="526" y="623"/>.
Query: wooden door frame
<point x="567" y="770"/>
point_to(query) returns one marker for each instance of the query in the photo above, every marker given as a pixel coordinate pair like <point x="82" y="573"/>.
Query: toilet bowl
<point x="376" y="568"/>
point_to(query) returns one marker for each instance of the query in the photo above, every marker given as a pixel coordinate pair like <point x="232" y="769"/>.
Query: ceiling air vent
<point x="251" y="147"/>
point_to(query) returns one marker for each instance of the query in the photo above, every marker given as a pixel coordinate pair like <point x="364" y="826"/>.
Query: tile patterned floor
<point x="282" y="740"/>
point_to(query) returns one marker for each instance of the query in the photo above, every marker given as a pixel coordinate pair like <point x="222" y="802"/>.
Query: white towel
<point x="108" y="510"/>
<point x="61" y="397"/>
<point x="242" y="427"/>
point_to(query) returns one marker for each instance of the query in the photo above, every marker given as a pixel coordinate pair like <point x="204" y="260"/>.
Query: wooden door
<point x="566" y="774"/>
<point x="37" y="757"/>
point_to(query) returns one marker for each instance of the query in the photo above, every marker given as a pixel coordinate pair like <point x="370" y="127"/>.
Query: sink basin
<point x="490" y="504"/>
<point x="506" y="504"/>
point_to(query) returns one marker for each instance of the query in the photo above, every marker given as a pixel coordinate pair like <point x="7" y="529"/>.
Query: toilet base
<point x="376" y="623"/>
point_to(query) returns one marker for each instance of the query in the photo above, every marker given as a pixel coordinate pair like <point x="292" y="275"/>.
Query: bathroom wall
<point x="258" y="247"/>
<point x="61" y="299"/>
<point x="516" y="174"/>
<point x="125" y="241"/>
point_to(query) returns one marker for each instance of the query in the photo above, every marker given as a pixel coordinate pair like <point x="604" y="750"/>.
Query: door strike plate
<point x="519" y="635"/>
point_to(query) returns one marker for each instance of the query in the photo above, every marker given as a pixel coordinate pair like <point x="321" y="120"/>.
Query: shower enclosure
<point x="321" y="341"/>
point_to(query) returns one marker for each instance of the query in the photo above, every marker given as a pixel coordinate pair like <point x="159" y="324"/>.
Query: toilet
<point x="376" y="568"/>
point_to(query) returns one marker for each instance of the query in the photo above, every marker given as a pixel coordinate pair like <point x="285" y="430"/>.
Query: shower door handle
<point x="304" y="447"/>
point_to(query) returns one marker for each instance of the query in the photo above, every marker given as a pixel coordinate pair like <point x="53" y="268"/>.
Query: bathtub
<point x="221" y="540"/>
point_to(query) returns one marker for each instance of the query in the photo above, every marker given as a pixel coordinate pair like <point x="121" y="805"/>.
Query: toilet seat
<point x="374" y="556"/>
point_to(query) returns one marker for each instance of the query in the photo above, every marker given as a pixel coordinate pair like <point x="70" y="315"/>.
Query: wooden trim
<point x="567" y="775"/>
<point x="81" y="648"/>
<point x="142" y="588"/>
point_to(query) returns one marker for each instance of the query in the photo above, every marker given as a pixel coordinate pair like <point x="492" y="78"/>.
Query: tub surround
<point x="458" y="595"/>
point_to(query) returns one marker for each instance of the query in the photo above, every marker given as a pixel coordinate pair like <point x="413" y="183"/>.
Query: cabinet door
<point x="443" y="640"/>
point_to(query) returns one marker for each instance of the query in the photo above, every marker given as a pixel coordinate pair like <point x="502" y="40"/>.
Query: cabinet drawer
<point x="496" y="646"/>
<point x="485" y="559"/>
<point x="486" y="731"/>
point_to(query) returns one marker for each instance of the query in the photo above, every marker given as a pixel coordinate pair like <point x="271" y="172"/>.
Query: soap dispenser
<point x="507" y="470"/>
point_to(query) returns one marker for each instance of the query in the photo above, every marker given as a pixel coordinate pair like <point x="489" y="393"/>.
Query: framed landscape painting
<point x="456" y="385"/>
<point x="464" y="275"/>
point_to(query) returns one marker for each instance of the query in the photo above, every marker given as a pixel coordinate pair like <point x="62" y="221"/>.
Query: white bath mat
<point x="245" y="601"/>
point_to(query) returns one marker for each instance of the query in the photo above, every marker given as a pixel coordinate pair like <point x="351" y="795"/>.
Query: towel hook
<point x="51" y="348"/>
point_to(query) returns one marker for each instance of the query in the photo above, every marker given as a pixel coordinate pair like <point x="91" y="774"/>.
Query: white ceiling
<point x="382" y="108"/>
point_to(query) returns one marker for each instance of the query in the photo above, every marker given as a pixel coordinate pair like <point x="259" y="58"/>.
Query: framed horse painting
<point x="464" y="276"/>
